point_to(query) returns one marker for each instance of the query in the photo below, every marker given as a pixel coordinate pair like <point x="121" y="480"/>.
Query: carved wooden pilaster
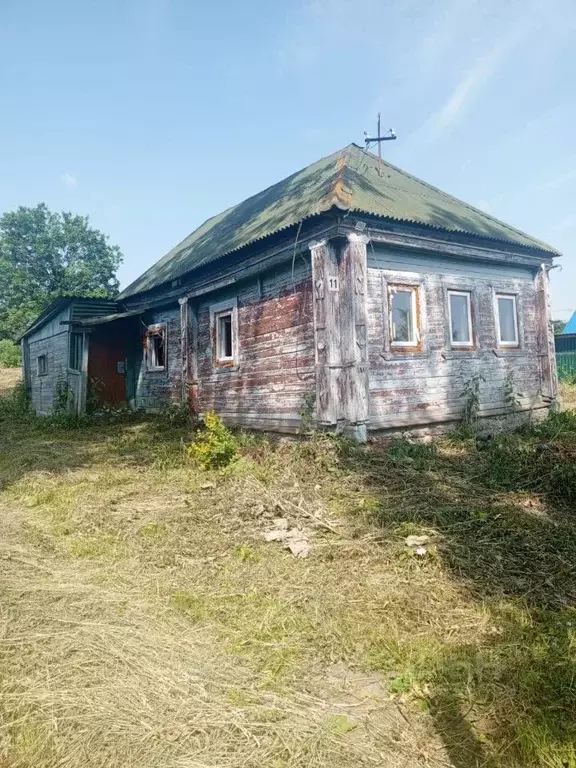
<point x="339" y="281"/>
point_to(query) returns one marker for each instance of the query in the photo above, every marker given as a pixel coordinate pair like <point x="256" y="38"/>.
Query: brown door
<point x="106" y="366"/>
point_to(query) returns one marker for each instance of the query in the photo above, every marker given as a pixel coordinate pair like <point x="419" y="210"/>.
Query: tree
<point x="10" y="356"/>
<point x="46" y="255"/>
<point x="559" y="326"/>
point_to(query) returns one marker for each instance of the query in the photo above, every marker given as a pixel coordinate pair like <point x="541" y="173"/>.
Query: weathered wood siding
<point x="266" y="386"/>
<point x="425" y="386"/>
<point x="152" y="390"/>
<point x="339" y="279"/>
<point x="52" y="340"/>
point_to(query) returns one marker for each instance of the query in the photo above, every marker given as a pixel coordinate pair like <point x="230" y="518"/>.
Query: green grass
<point x="146" y="622"/>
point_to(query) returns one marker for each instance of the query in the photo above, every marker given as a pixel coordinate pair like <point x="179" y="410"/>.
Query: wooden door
<point x="106" y="366"/>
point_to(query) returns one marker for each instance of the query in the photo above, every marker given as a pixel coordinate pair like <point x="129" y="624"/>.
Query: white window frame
<point x="458" y="344"/>
<point x="217" y="311"/>
<point x="45" y="371"/>
<point x="412" y="289"/>
<point x="151" y="366"/>
<point x="218" y="341"/>
<point x="511" y="297"/>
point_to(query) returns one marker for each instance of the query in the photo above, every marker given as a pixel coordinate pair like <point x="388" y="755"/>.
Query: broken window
<point x="507" y="320"/>
<point x="156" y="348"/>
<point x="42" y="365"/>
<point x="75" y="352"/>
<point x="460" y="315"/>
<point x="224" y="336"/>
<point x="402" y="302"/>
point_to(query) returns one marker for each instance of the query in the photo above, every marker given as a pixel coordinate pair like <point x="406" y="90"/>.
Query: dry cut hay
<point x="9" y="377"/>
<point x="100" y="672"/>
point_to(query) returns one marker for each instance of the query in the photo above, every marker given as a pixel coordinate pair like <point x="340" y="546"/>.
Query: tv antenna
<point x="390" y="136"/>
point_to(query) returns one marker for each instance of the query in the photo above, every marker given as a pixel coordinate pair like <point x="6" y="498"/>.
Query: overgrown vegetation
<point x="471" y="395"/>
<point x="214" y="446"/>
<point x="10" y="356"/>
<point x="146" y="622"/>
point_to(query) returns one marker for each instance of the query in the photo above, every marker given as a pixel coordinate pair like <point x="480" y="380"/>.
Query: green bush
<point x="16" y="406"/>
<point x="175" y="415"/>
<point x="215" y="446"/>
<point x="10" y="356"/>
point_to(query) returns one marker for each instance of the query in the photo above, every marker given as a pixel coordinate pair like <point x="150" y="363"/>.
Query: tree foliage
<point x="559" y="326"/>
<point x="10" y="356"/>
<point x="46" y="255"/>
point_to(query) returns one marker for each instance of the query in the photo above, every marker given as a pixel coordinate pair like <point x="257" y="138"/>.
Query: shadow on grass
<point x="503" y="522"/>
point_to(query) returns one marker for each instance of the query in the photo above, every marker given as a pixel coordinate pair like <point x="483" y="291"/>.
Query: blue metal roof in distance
<point x="570" y="326"/>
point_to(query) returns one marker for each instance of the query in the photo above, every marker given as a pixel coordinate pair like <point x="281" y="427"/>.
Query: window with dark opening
<point x="156" y="349"/>
<point x="76" y="349"/>
<point x="224" y="337"/>
<point x="42" y="365"/>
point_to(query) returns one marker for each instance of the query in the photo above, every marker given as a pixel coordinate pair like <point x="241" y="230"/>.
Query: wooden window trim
<point x="414" y="309"/>
<point x="399" y="350"/>
<point x="218" y="311"/>
<point x="514" y="298"/>
<point x="45" y="371"/>
<point x="72" y="334"/>
<point x="153" y="330"/>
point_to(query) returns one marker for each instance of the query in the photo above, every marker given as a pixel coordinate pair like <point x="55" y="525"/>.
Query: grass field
<point x="146" y="623"/>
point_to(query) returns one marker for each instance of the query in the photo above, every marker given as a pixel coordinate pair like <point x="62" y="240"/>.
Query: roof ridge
<point x="344" y="180"/>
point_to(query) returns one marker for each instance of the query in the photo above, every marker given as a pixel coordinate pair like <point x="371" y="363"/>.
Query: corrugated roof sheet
<point x="86" y="322"/>
<point x="348" y="179"/>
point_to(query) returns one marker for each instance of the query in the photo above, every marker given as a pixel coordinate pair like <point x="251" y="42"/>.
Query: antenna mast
<point x="390" y="136"/>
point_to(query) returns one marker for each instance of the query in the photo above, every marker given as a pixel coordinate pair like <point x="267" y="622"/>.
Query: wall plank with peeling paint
<point x="266" y="386"/>
<point x="416" y="388"/>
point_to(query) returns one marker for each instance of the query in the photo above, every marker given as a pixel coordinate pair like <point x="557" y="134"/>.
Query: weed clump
<point x="16" y="405"/>
<point x="215" y="446"/>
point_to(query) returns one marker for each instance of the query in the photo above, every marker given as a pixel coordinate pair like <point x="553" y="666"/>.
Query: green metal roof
<point x="350" y="180"/>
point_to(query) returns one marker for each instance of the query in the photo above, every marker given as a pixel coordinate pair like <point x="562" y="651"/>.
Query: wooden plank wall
<point x="156" y="389"/>
<point x="421" y="388"/>
<point x="51" y="340"/>
<point x="275" y="369"/>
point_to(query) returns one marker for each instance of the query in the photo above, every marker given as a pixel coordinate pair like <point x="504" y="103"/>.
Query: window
<point x="403" y="320"/>
<point x="224" y="337"/>
<point x="460" y="315"/>
<point x="75" y="352"/>
<point x="224" y="334"/>
<point x="156" y="348"/>
<point x="507" y="320"/>
<point x="42" y="365"/>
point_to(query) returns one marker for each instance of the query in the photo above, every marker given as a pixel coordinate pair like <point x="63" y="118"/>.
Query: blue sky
<point x="151" y="115"/>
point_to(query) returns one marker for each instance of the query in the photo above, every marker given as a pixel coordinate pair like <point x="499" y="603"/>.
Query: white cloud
<point x="558" y="181"/>
<point x="465" y="91"/>
<point x="69" y="181"/>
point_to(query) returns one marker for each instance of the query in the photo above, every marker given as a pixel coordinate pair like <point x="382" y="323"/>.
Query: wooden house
<point x="350" y="290"/>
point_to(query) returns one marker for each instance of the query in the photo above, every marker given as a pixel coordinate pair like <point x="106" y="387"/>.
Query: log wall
<point x="426" y="385"/>
<point x="267" y="384"/>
